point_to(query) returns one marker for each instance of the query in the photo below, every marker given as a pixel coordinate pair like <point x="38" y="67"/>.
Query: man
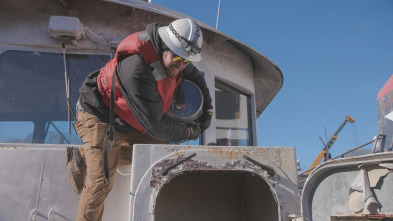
<point x="147" y="68"/>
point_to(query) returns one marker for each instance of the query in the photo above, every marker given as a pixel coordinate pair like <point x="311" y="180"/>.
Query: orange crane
<point x="324" y="154"/>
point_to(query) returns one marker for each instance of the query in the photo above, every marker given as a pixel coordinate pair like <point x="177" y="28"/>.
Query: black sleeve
<point x="138" y="87"/>
<point x="193" y="74"/>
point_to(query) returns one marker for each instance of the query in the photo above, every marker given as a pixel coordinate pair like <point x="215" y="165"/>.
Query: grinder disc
<point x="186" y="103"/>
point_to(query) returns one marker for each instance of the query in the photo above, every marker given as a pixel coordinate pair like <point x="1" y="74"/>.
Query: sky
<point x="335" y="56"/>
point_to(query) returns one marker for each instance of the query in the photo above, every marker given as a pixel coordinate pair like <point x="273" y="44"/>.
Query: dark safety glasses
<point x="177" y="58"/>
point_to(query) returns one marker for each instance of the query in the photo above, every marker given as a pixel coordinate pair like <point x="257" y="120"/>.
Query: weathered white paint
<point x="34" y="182"/>
<point x="149" y="159"/>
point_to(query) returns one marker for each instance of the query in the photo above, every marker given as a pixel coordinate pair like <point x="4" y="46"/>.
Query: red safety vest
<point x="138" y="43"/>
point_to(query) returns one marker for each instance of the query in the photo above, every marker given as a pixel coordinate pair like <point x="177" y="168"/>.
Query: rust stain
<point x="217" y="151"/>
<point x="363" y="217"/>
<point x="196" y="165"/>
<point x="228" y="153"/>
<point x="157" y="179"/>
<point x="379" y="216"/>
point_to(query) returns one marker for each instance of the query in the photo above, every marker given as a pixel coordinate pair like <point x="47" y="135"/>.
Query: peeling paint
<point x="157" y="179"/>
<point x="349" y="188"/>
<point x="367" y="179"/>
<point x="212" y="161"/>
<point x="361" y="217"/>
<point x="228" y="153"/>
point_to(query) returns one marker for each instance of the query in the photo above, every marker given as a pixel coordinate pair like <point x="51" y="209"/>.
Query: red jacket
<point x="138" y="43"/>
<point x="147" y="90"/>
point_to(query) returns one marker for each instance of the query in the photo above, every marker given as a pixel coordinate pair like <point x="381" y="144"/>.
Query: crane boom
<point x="334" y="137"/>
<point x="324" y="154"/>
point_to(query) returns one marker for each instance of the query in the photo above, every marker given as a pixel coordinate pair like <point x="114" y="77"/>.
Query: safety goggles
<point x="177" y="59"/>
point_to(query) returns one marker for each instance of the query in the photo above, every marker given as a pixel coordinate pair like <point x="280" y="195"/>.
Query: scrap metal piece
<point x="387" y="165"/>
<point x="359" y="217"/>
<point x="165" y="171"/>
<point x="268" y="169"/>
<point x="355" y="203"/>
<point x="371" y="206"/>
<point x="361" y="196"/>
<point x="362" y="184"/>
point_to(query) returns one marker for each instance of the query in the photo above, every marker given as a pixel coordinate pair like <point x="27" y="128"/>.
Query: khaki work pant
<point x="92" y="132"/>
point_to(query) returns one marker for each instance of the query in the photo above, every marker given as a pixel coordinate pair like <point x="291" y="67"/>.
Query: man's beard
<point x="171" y="73"/>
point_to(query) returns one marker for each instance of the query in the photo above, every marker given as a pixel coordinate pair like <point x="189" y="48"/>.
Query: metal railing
<point x="379" y="146"/>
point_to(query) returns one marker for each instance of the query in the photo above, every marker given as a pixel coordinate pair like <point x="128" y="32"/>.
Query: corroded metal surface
<point x="362" y="217"/>
<point x="150" y="160"/>
<point x="24" y="27"/>
<point x="327" y="190"/>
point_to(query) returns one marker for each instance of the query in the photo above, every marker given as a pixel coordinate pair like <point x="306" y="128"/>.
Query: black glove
<point x="205" y="120"/>
<point x="194" y="131"/>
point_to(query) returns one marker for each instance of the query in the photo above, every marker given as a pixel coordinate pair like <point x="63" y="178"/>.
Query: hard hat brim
<point x="167" y="36"/>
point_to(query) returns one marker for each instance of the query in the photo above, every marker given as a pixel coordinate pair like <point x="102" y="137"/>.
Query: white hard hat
<point x="184" y="38"/>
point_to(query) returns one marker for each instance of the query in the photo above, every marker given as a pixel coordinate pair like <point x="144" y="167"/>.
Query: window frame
<point x="37" y="132"/>
<point x="252" y="141"/>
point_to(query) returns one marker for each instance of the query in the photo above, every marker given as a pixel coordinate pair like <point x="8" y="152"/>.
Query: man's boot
<point x="76" y="169"/>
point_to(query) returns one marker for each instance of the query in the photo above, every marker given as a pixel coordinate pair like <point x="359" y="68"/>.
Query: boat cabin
<point x="47" y="48"/>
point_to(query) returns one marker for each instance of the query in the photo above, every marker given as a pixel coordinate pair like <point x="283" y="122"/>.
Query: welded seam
<point x="35" y="211"/>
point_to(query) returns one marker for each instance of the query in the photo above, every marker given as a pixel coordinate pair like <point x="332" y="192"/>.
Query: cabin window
<point x="233" y="116"/>
<point x="33" y="107"/>
<point x="8" y="131"/>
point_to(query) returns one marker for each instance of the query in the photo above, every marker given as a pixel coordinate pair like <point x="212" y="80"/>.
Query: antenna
<point x="324" y="154"/>
<point x="218" y="12"/>
<point x="322" y="141"/>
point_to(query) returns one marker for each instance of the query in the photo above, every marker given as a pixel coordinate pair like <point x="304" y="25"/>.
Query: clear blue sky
<point x="335" y="57"/>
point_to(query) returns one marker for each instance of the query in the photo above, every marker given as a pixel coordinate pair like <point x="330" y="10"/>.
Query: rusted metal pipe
<point x="268" y="169"/>
<point x="165" y="171"/>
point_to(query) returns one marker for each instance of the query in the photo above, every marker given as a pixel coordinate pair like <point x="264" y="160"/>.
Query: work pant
<point x="92" y="131"/>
